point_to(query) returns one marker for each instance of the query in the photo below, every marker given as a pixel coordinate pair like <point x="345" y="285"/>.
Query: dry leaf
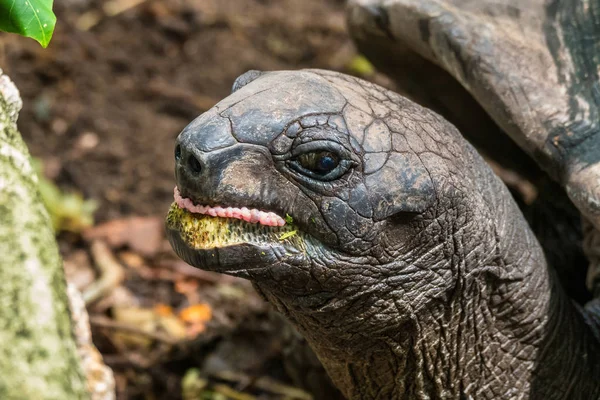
<point x="186" y="286"/>
<point x="131" y="259"/>
<point x="196" y="313"/>
<point x="195" y="329"/>
<point x="163" y="310"/>
<point x="173" y="327"/>
<point x="141" y="234"/>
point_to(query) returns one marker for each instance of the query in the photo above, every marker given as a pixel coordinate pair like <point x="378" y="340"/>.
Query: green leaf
<point x="30" y="18"/>
<point x="287" y="235"/>
<point x="289" y="219"/>
<point x="359" y="65"/>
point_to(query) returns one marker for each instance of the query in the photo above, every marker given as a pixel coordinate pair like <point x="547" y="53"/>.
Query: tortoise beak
<point x="232" y="259"/>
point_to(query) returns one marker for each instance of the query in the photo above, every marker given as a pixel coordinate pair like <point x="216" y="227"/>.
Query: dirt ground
<point x="102" y="107"/>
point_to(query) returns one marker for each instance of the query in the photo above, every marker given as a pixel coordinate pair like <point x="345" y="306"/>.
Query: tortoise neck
<point x="567" y="364"/>
<point x="505" y="311"/>
<point x="490" y="322"/>
<point x="556" y="349"/>
<point x="520" y="321"/>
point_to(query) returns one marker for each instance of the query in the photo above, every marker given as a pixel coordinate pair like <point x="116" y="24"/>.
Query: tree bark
<point x="38" y="354"/>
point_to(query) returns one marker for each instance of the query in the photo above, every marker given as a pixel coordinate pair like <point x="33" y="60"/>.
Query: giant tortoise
<point x="381" y="234"/>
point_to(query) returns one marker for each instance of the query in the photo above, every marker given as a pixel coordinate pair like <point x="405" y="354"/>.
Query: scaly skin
<point x="418" y="277"/>
<point x="532" y="66"/>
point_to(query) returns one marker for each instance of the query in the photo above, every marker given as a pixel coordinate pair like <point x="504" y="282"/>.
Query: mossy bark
<point x="38" y="357"/>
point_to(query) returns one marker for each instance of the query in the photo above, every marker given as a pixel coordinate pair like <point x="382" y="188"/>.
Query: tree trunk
<point x="38" y="355"/>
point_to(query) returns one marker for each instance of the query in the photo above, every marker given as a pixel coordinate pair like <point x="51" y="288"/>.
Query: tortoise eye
<point x="321" y="162"/>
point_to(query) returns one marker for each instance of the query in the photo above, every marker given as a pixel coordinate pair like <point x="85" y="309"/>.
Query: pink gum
<point x="249" y="215"/>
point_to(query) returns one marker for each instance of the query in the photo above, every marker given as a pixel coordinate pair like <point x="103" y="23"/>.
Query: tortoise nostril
<point x="194" y="164"/>
<point x="177" y="153"/>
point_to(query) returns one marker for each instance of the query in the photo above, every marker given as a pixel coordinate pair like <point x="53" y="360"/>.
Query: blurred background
<point x="102" y="107"/>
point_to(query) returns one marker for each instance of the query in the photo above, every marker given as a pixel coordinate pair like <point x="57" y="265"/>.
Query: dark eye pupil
<point x="327" y="163"/>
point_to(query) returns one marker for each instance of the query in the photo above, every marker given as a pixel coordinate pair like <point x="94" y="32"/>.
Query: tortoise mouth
<point x="249" y="215"/>
<point x="226" y="244"/>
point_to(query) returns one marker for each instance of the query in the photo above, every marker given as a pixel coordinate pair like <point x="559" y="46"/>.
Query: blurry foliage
<point x="289" y="219"/>
<point x="360" y="66"/>
<point x="30" y="18"/>
<point x="194" y="387"/>
<point x="68" y="211"/>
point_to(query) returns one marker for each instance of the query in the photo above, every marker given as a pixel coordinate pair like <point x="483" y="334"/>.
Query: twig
<point x="111" y="273"/>
<point x="231" y="393"/>
<point x="103" y="322"/>
<point x="266" y="384"/>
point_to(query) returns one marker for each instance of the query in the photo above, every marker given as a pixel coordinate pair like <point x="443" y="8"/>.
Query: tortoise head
<point x="330" y="194"/>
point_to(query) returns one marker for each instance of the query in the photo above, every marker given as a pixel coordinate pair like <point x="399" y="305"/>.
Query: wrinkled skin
<point x="530" y="66"/>
<point x="419" y="277"/>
